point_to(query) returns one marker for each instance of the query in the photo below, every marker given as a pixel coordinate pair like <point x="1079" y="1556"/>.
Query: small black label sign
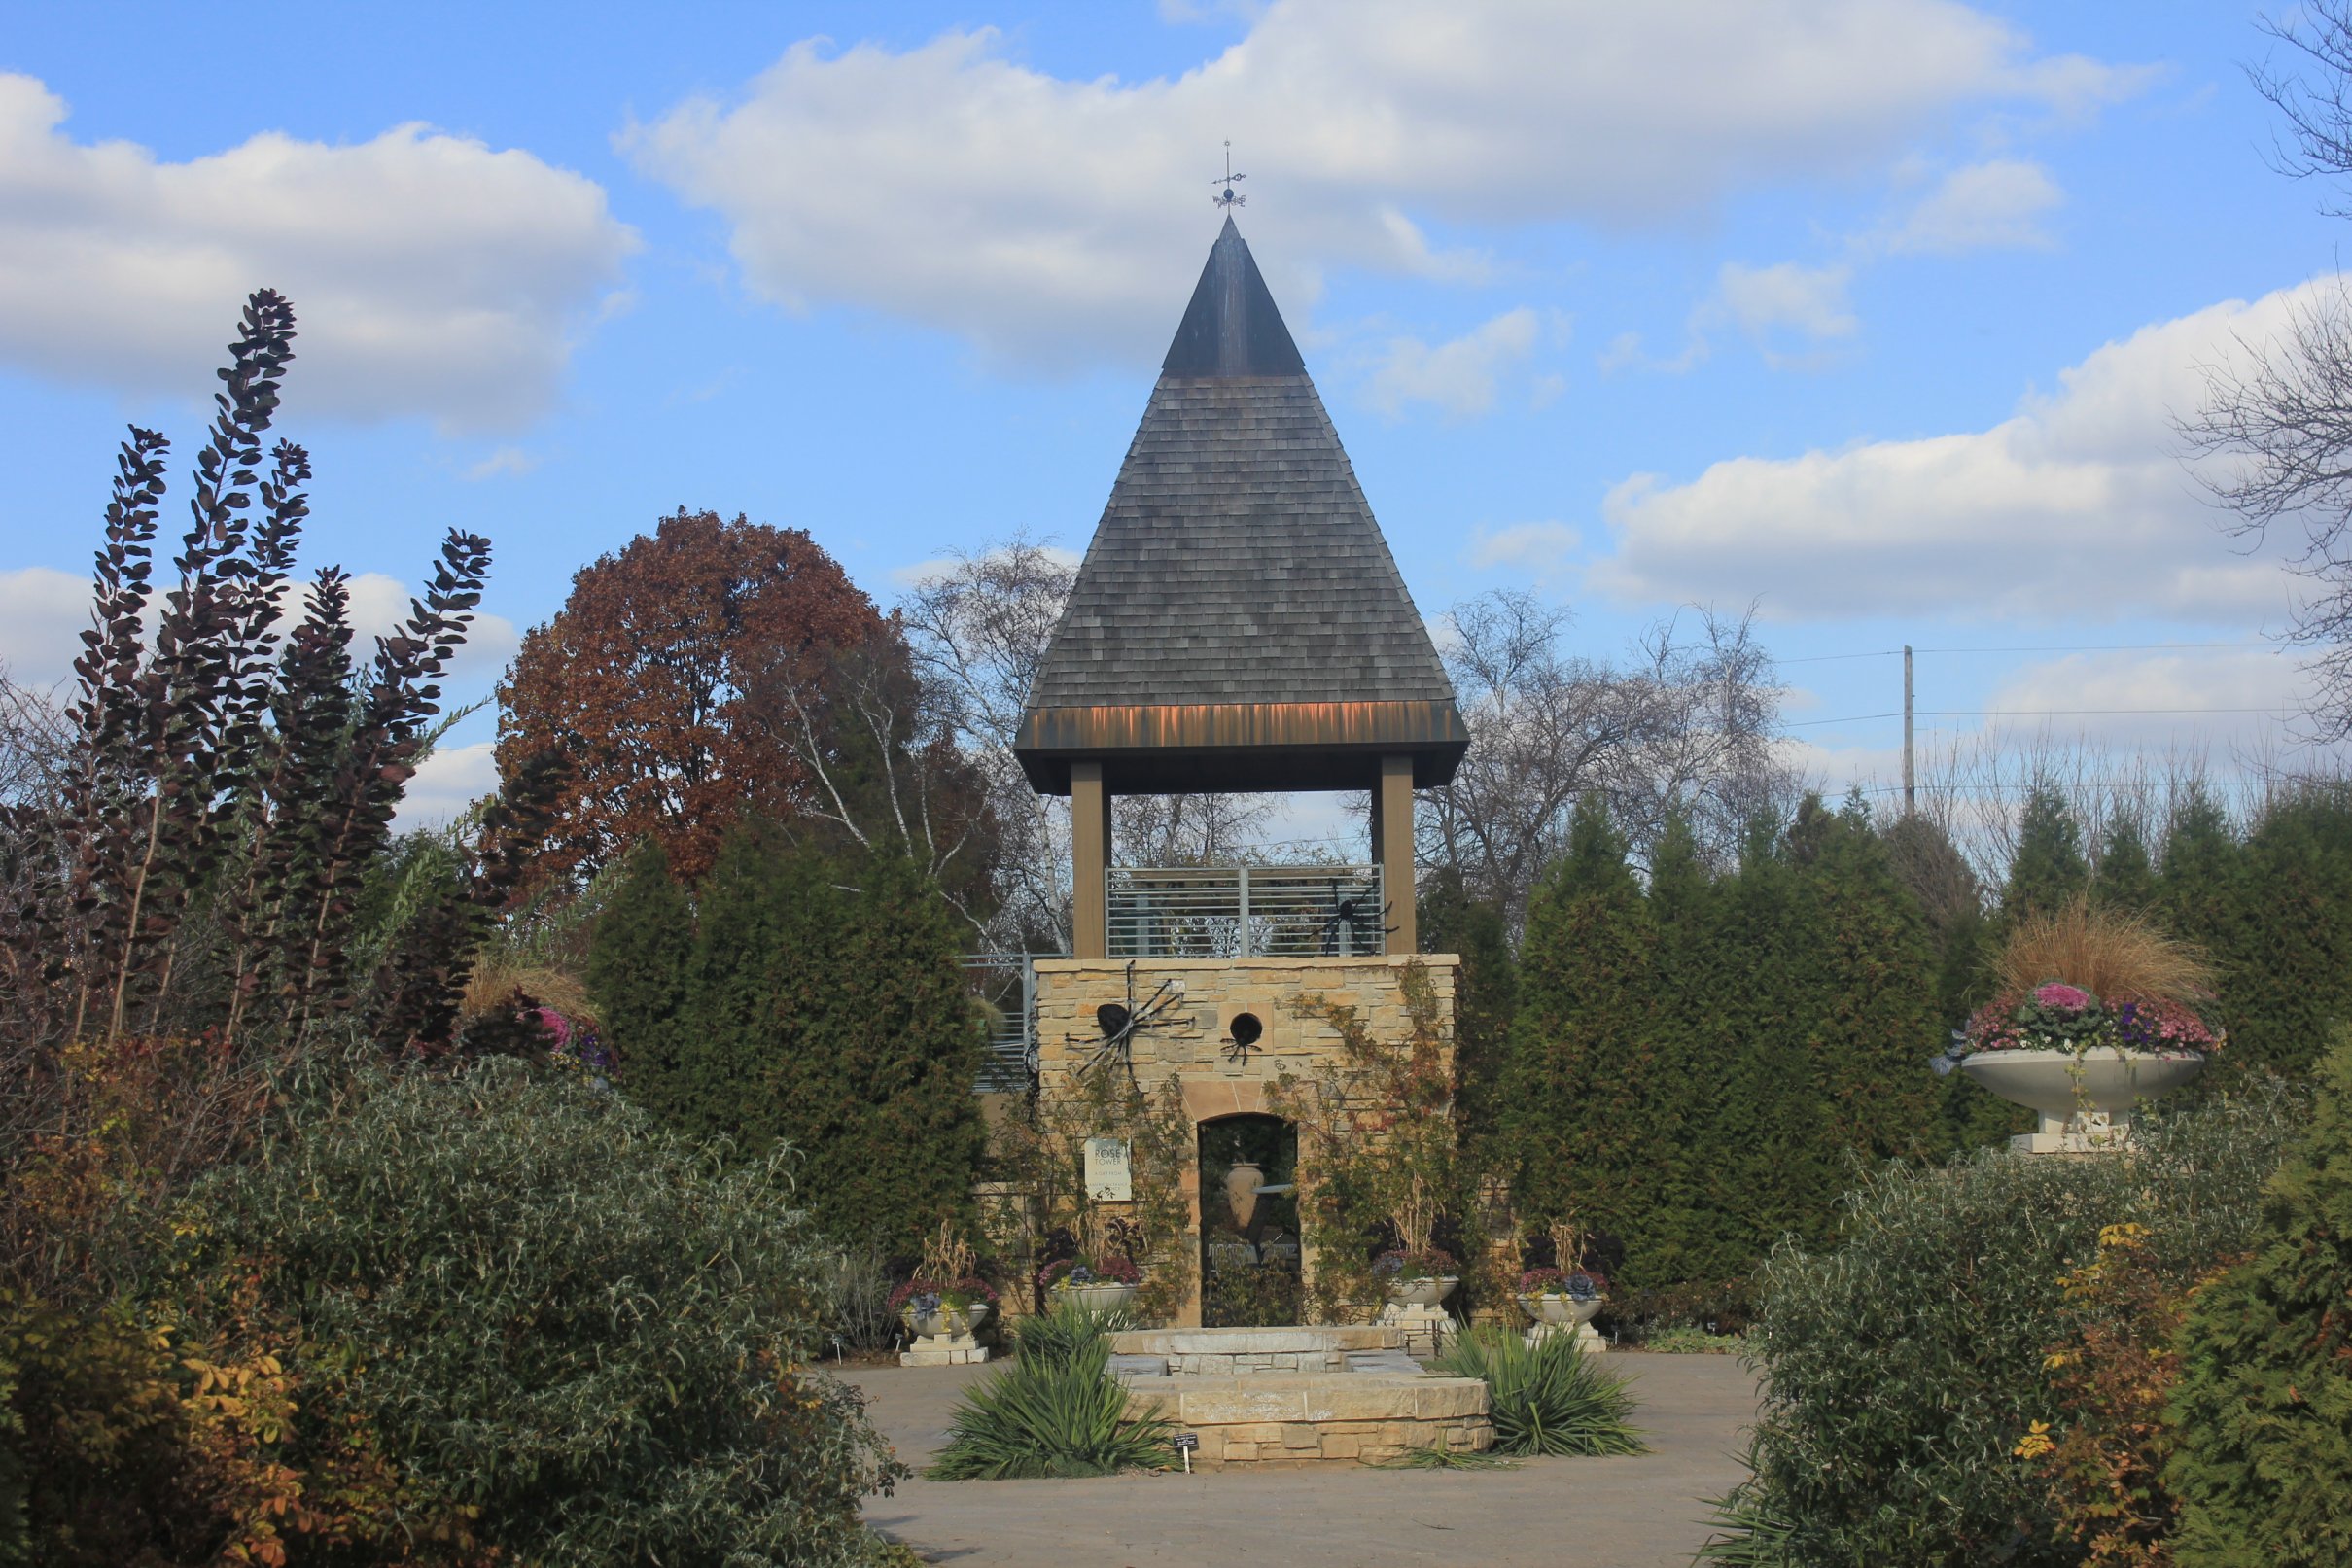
<point x="1187" y="1441"/>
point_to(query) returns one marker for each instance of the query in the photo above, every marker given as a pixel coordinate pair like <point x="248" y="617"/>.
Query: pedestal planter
<point x="943" y="1336"/>
<point x="1413" y="1307"/>
<point x="1099" y="1295"/>
<point x="1420" y="1292"/>
<point x="2085" y="1100"/>
<point x="1552" y="1312"/>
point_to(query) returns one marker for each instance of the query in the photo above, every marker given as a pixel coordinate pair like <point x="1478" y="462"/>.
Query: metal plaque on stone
<point x="1107" y="1171"/>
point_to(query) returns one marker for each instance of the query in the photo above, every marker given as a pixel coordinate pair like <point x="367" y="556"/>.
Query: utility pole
<point x="1911" y="793"/>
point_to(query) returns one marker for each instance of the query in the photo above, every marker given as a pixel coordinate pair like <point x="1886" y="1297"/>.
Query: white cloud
<point x="1996" y="203"/>
<point x="1461" y="375"/>
<point x="1538" y="548"/>
<point x="2076" y="508"/>
<point x="1052" y="221"/>
<point x="2150" y="700"/>
<point x="447" y="781"/>
<point x="429" y="274"/>
<point x="923" y="573"/>
<point x="1811" y="299"/>
<point x="510" y="461"/>
<point x="43" y="613"/>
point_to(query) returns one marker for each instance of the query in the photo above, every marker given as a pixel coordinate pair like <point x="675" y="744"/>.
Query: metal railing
<point x="1245" y="912"/>
<point x="1005" y="986"/>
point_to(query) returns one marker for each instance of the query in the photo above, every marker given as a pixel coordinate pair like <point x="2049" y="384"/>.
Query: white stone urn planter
<point x="2084" y="1099"/>
<point x="1099" y="1295"/>
<point x="1420" y="1292"/>
<point x="943" y="1336"/>
<point x="1561" y="1311"/>
<point x="944" y="1322"/>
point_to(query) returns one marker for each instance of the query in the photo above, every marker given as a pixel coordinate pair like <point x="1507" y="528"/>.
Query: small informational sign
<point x="1107" y="1174"/>
<point x="1187" y="1444"/>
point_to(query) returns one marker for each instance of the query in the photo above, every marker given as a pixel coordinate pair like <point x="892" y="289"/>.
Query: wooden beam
<point x="1089" y="863"/>
<point x="1392" y="805"/>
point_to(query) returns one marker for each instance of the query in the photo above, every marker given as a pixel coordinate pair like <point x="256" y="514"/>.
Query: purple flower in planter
<point x="2056" y="993"/>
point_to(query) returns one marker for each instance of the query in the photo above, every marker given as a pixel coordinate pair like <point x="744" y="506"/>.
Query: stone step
<point x="1139" y="1366"/>
<point x="1394" y="1361"/>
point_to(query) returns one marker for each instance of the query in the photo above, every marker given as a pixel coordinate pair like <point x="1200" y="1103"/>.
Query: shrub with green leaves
<point x="2262" y="1412"/>
<point x="581" y="1326"/>
<point x="1554" y="1398"/>
<point x="1902" y="1366"/>
<point x="1056" y="1411"/>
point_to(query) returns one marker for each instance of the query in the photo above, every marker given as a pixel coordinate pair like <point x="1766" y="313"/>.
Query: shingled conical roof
<point x="1239" y="622"/>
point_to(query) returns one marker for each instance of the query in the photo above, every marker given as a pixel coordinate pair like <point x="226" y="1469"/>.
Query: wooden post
<point x="1089" y="863"/>
<point x="1393" y="807"/>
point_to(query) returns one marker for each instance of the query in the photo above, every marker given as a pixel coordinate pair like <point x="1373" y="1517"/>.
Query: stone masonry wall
<point x="1193" y="1038"/>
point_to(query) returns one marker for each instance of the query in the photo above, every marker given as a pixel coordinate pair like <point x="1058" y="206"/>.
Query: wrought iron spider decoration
<point x="1119" y="1024"/>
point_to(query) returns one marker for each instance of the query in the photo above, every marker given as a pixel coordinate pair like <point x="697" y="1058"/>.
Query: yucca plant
<point x="1059" y="1337"/>
<point x="1055" y="1411"/>
<point x="1552" y="1399"/>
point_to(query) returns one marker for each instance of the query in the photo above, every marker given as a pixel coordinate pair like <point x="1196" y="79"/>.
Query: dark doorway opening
<point x="1250" y="1255"/>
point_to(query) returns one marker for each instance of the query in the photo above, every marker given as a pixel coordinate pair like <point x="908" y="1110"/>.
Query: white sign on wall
<point x="1106" y="1178"/>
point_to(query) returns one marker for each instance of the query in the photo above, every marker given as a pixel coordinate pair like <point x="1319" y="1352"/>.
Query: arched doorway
<point x="1251" y="1259"/>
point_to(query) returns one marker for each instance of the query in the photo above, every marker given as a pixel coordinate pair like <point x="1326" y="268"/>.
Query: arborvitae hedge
<point x="818" y="1001"/>
<point x="2264" y="1408"/>
<point x="1578" y="1095"/>
<point x="1485" y="995"/>
<point x="1694" y="1061"/>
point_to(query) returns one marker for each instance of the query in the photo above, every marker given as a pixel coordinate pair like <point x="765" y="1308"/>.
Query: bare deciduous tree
<point x="2275" y="432"/>
<point x="979" y="627"/>
<point x="1685" y="724"/>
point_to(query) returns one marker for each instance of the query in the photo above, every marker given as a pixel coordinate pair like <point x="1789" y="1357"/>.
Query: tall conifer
<point x="637" y="973"/>
<point x="2047" y="869"/>
<point x="1486" y="994"/>
<point x="1673" y="1241"/>
<point x="2286" y="954"/>
<point x="1581" y="1046"/>
<point x="2126" y="878"/>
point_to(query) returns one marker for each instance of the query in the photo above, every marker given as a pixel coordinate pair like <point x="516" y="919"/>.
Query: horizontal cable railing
<point x="1004" y="985"/>
<point x="1245" y="912"/>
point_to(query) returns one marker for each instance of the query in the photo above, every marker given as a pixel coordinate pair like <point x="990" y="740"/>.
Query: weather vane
<point x="1228" y="198"/>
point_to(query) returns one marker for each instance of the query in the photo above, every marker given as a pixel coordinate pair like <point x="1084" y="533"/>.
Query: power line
<point x="2045" y="647"/>
<point x="2030" y="713"/>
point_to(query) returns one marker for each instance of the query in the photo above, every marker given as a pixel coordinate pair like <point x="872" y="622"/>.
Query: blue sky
<point x="1873" y="314"/>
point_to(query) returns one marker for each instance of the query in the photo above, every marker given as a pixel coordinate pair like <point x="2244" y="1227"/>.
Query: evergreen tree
<point x="2125" y="878"/>
<point x="2286" y="954"/>
<point x="637" y="973"/>
<point x="2196" y="885"/>
<point x="1673" y="1241"/>
<point x="1581" y="1046"/>
<point x="1486" y="994"/>
<point x="1761" y="1178"/>
<point x="822" y="1002"/>
<point x="2263" y="1407"/>
<point x="1872" y="978"/>
<point x="2047" y="869"/>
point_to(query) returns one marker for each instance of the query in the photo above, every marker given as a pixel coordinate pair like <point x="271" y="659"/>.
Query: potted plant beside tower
<point x="1565" y="1295"/>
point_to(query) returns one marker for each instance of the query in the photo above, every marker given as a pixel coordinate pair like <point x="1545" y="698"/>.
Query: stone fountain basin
<point x="2110" y="1080"/>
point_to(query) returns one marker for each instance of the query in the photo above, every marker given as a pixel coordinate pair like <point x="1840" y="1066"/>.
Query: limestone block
<point x="1441" y="1399"/>
<point x="1232" y="1401"/>
<point x="1236" y="1453"/>
<point x="1302" y="1434"/>
<point x="1341" y="1444"/>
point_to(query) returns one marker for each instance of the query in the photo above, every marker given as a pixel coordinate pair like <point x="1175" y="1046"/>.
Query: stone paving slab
<point x="1642" y="1512"/>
